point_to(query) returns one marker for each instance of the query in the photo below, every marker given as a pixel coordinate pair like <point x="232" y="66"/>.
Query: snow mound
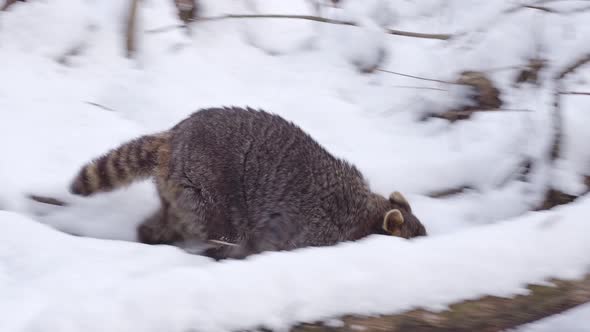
<point x="52" y="281"/>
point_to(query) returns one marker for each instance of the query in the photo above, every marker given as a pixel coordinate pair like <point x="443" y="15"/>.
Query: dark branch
<point x="416" y="77"/>
<point x="541" y="8"/>
<point x="47" y="200"/>
<point x="575" y="93"/>
<point x="417" y="87"/>
<point x="557" y="116"/>
<point x="449" y="192"/>
<point x="100" y="106"/>
<point x="130" y="33"/>
<point x="540" y="5"/>
<point x="307" y="18"/>
<point x="573" y="67"/>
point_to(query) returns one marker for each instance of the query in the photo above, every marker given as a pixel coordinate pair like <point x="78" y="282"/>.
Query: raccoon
<point x="250" y="178"/>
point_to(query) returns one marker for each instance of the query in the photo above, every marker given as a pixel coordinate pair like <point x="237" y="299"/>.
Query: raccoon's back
<point x="264" y="164"/>
<point x="238" y="135"/>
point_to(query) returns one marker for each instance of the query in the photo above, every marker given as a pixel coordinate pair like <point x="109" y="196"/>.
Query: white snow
<point x="574" y="320"/>
<point x="305" y="71"/>
<point x="58" y="282"/>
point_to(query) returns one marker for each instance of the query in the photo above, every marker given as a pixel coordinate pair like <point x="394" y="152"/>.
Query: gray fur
<point x="252" y="178"/>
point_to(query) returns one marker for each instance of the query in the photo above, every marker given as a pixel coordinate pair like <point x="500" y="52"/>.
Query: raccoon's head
<point x="399" y="219"/>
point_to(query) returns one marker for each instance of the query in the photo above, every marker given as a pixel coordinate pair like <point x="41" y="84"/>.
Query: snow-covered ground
<point x="57" y="282"/>
<point x="574" y="320"/>
<point x="50" y="124"/>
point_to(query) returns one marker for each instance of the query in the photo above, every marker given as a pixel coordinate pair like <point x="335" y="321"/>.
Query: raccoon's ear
<point x="397" y="198"/>
<point x="392" y="221"/>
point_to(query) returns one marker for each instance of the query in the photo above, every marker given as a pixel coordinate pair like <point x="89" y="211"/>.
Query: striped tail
<point x="132" y="161"/>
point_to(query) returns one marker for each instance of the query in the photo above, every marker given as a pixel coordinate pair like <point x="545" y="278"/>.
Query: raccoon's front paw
<point x="221" y="252"/>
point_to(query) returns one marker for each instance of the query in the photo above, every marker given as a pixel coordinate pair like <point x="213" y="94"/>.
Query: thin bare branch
<point x="503" y="110"/>
<point x="100" y="106"/>
<point x="223" y="243"/>
<point x="557" y="116"/>
<point x="584" y="59"/>
<point x="574" y="93"/>
<point x="541" y="6"/>
<point x="416" y="77"/>
<point x="557" y="124"/>
<point x="165" y="28"/>
<point x="417" y="87"/>
<point x="453" y="116"/>
<point x="47" y="200"/>
<point x="130" y="33"/>
<point x="443" y="193"/>
<point x="438" y="36"/>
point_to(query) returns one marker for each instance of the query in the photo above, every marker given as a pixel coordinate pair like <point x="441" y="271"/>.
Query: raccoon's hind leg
<point x="274" y="233"/>
<point x="156" y="229"/>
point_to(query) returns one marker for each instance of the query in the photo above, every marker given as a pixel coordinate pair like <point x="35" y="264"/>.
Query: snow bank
<point x="52" y="281"/>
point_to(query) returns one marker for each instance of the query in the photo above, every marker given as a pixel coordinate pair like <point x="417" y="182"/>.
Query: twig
<point x="417" y="87"/>
<point x="47" y="200"/>
<point x="557" y="124"/>
<point x="575" y="65"/>
<point x="165" y="28"/>
<point x="503" y="110"/>
<point x="130" y="37"/>
<point x="541" y="8"/>
<point x="574" y="93"/>
<point x="540" y="5"/>
<point x="223" y="243"/>
<point x="557" y="116"/>
<point x="100" y="106"/>
<point x="521" y="173"/>
<point x="448" y="192"/>
<point x="438" y="36"/>
<point x="416" y="77"/>
<point x="554" y="197"/>
<point x="462" y="115"/>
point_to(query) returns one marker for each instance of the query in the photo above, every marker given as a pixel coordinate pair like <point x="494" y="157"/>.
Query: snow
<point x="574" y="320"/>
<point x="64" y="283"/>
<point x="306" y="72"/>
